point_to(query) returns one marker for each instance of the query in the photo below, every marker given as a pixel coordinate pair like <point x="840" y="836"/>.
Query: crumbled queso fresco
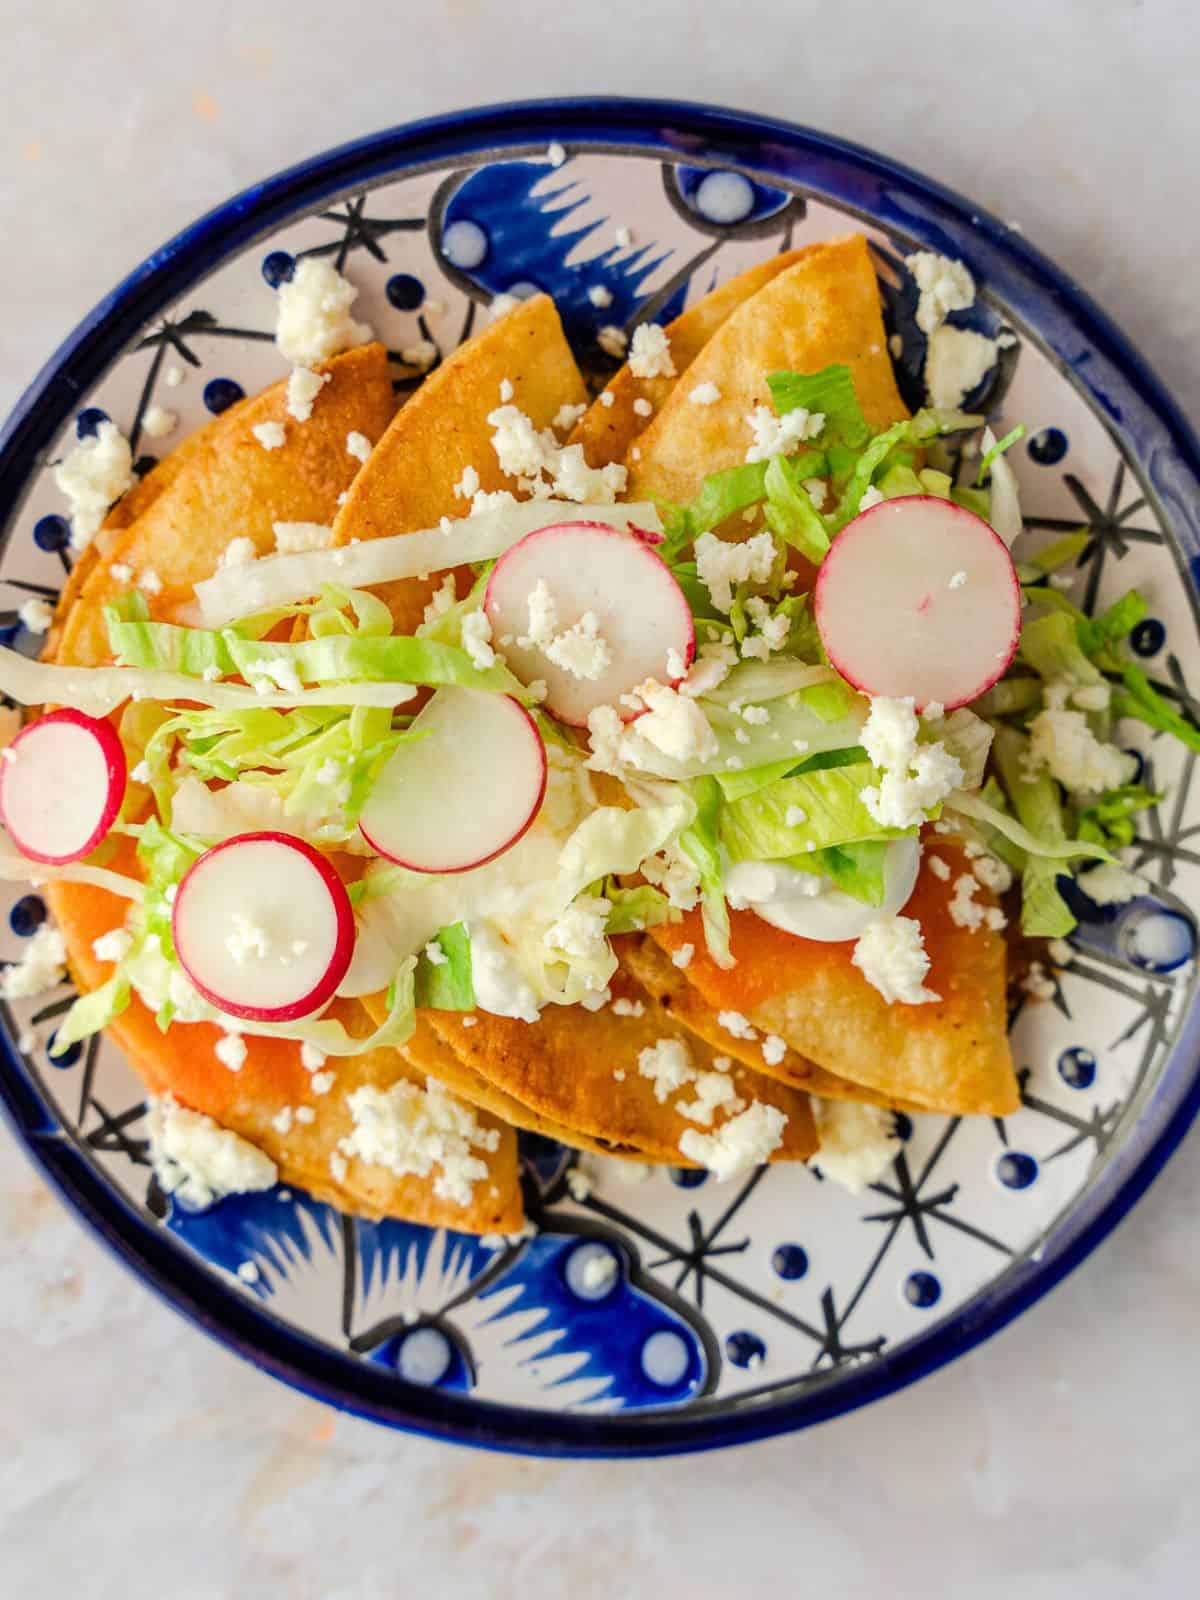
<point x="96" y="473"/>
<point x="411" y="1131"/>
<point x="313" y="320"/>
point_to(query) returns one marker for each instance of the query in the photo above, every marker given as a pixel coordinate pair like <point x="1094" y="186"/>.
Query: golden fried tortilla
<point x="410" y="481"/>
<point x="684" y="1003"/>
<point x="429" y="1053"/>
<point x="229" y="486"/>
<point x="822" y="310"/>
<point x="580" y="1070"/>
<point x="610" y="425"/>
<point x="951" y="1055"/>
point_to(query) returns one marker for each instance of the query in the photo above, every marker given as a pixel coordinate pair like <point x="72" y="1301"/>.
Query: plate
<point x="738" y="1310"/>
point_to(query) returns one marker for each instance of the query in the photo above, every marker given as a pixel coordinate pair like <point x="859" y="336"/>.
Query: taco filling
<point x="662" y="772"/>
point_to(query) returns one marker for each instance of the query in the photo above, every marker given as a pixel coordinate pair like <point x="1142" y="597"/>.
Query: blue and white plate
<point x="773" y="1302"/>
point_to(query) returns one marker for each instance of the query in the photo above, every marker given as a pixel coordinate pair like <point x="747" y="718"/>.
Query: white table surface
<point x="137" y="1458"/>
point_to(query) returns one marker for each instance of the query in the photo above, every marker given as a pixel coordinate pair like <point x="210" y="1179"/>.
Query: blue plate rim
<point x="850" y="176"/>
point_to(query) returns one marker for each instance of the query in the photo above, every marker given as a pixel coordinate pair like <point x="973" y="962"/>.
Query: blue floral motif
<point x="642" y="1352"/>
<point x="501" y="237"/>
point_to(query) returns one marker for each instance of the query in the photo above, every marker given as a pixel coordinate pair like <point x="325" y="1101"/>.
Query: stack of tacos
<point x="571" y="1075"/>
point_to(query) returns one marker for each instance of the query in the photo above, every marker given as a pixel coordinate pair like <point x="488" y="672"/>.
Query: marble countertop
<point x="137" y="1458"/>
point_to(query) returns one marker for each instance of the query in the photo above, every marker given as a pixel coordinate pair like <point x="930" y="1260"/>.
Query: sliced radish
<point x="464" y="793"/>
<point x="642" y="614"/>
<point x="62" y="781"/>
<point x="263" y="927"/>
<point x="919" y="597"/>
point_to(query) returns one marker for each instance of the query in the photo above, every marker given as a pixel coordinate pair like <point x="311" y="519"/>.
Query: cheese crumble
<point x="410" y="1131"/>
<point x="650" y="352"/>
<point x="779" y="436"/>
<point x="303" y="388"/>
<point x="858" y="1143"/>
<point x="891" y="956"/>
<point x="42" y="966"/>
<point x="742" y="1143"/>
<point x="292" y="538"/>
<point x="97" y="472"/>
<point x="313" y="320"/>
<point x="35" y="615"/>
<point x="200" y="1162"/>
<point x="269" y="434"/>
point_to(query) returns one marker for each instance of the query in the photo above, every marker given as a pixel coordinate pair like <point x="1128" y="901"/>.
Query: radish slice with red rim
<point x="641" y="614"/>
<point x="62" y="781"/>
<point x="465" y="792"/>
<point x="918" y="597"/>
<point x="263" y="927"/>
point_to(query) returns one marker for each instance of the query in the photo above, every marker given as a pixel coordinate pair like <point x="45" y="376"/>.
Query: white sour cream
<point x="810" y="907"/>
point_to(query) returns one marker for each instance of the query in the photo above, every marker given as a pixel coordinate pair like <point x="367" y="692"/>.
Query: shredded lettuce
<point x="1098" y="635"/>
<point x="858" y="869"/>
<point x="701" y="843"/>
<point x="334" y="659"/>
<point x="636" y="908"/>
<point x="791" y="514"/>
<point x="721" y="495"/>
<point x="830" y="392"/>
<point x="997" y="450"/>
<point x="274" y="581"/>
<point x="1058" y="553"/>
<point x="1050" y="645"/>
<point x="1039" y="830"/>
<point x="736" y="784"/>
<point x="755" y="827"/>
<point x="1139" y="699"/>
<point x="446" y="985"/>
<point x="100" y="690"/>
<point x="1108" y="820"/>
<point x="92" y="1012"/>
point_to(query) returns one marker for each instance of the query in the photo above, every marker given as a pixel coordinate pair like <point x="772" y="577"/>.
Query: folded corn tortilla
<point x="616" y="417"/>
<point x="823" y="309"/>
<point x="951" y="1055"/>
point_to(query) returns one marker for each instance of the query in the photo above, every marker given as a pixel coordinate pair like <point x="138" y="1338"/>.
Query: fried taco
<point x="657" y="777"/>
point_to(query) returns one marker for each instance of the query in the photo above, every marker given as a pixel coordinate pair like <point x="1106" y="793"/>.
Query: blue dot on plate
<point x="424" y="1356"/>
<point x="27" y="916"/>
<point x="904" y="1126"/>
<point x="1156" y="939"/>
<point x="52" y="533"/>
<point x="1048" y="447"/>
<point x="922" y="1289"/>
<point x="278" y="267"/>
<point x="1148" y="637"/>
<point x="405" y="292"/>
<point x="666" y="1357"/>
<point x="790" y="1260"/>
<point x="87" y="423"/>
<point x="1016" y="1170"/>
<point x="69" y="1056"/>
<point x="724" y="197"/>
<point x="1077" y="1067"/>
<point x="745" y="1349"/>
<point x="221" y="393"/>
<point x="465" y="245"/>
<point x="592" y="1270"/>
<point x="687" y="1177"/>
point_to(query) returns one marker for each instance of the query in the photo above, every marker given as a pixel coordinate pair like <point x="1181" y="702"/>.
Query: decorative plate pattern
<point x="668" y="1312"/>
